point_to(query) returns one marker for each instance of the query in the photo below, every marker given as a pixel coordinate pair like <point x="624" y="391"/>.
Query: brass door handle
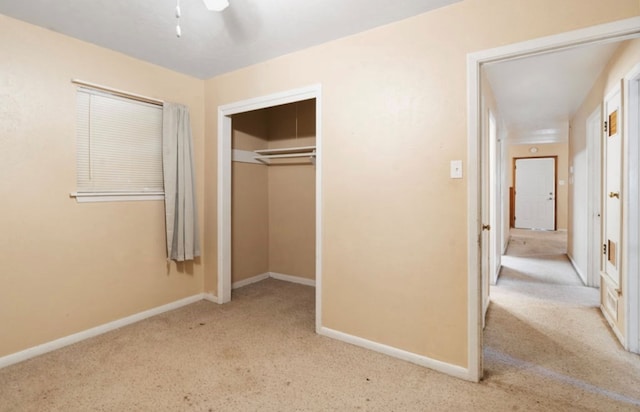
<point x="486" y="227"/>
<point x="614" y="194"/>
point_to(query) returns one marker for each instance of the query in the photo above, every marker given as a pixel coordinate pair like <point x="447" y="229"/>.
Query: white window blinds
<point x="119" y="144"/>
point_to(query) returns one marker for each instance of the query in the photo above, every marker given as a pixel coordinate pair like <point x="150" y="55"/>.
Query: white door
<point x="612" y="146"/>
<point x="535" y="188"/>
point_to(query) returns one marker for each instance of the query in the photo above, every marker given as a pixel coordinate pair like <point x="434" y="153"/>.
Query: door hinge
<point x="604" y="249"/>
<point x="605" y="126"/>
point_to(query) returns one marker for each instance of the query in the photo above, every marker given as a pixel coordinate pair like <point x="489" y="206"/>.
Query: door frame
<point x="224" y="182"/>
<point x="555" y="184"/>
<point x="615" y="31"/>
<point x="631" y="203"/>
<point x="594" y="197"/>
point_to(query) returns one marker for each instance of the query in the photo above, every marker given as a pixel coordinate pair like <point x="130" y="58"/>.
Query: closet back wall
<point x="273" y="207"/>
<point x="292" y="193"/>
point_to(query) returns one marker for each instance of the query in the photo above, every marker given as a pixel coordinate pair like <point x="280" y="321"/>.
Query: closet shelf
<point x="301" y="149"/>
<point x="265" y="155"/>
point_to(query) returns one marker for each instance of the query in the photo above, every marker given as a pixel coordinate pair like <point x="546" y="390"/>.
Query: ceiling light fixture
<point x="216" y="5"/>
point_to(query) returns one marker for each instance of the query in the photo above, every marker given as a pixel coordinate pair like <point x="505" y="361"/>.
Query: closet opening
<point x="269" y="192"/>
<point x="273" y="194"/>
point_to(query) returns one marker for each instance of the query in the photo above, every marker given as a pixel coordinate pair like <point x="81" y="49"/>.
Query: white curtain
<point x="183" y="242"/>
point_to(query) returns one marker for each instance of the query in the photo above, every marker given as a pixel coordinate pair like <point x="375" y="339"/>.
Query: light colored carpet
<point x="546" y="327"/>
<point x="259" y="353"/>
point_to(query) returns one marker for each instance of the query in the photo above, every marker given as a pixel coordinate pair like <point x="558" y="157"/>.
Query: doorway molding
<point x="594" y="197"/>
<point x="225" y="112"/>
<point x="631" y="215"/>
<point x="614" y="31"/>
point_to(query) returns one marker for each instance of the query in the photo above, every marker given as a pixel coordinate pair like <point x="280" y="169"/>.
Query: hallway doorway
<point x="478" y="158"/>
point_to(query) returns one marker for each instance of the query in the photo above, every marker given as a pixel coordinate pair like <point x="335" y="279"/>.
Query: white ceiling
<point x="247" y="32"/>
<point x="538" y="95"/>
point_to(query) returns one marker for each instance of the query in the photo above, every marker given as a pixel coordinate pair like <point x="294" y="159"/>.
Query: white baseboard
<point x="99" y="330"/>
<point x="582" y="276"/>
<point x="293" y="279"/>
<point x="275" y="275"/>
<point x="210" y="297"/>
<point x="253" y="279"/>
<point x="447" y="368"/>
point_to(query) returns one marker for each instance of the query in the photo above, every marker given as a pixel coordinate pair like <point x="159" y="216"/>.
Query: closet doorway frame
<point x="225" y="113"/>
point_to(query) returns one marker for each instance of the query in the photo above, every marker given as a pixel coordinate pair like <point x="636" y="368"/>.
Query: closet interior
<point x="273" y="194"/>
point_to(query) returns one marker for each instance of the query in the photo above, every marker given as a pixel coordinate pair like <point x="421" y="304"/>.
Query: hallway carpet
<point x="546" y="328"/>
<point x="260" y="353"/>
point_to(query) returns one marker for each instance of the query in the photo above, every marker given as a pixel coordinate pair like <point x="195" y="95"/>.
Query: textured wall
<point x="67" y="266"/>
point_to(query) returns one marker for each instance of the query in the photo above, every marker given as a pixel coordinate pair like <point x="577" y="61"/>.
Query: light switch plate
<point x="456" y="169"/>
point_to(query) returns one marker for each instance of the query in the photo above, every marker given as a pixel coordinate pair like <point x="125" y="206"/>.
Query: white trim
<point x="594" y="196"/>
<point x="224" y="182"/>
<point x="224" y="205"/>
<point x="474" y="222"/>
<point x="485" y="304"/>
<point x="597" y="34"/>
<point x="210" y="297"/>
<point x="448" y="368"/>
<point x="279" y="276"/>
<point x="115" y="197"/>
<point x="244" y="156"/>
<point x="249" y="281"/>
<point x="631" y="204"/>
<point x="98" y="330"/>
<point x="581" y="275"/>
<point x="612" y="323"/>
<point x="293" y="279"/>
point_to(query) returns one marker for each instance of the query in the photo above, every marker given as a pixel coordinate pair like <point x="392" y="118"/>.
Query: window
<point x="119" y="148"/>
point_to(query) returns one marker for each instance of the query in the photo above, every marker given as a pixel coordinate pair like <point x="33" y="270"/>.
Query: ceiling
<point x="247" y="32"/>
<point x="538" y="95"/>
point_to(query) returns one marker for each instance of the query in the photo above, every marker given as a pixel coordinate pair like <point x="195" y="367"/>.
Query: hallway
<point x="545" y="334"/>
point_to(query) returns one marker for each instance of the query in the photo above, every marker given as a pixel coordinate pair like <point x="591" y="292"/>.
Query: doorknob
<point x="614" y="194"/>
<point x="486" y="227"/>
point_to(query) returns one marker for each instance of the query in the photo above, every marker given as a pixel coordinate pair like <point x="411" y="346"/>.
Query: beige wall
<point x="250" y="199"/>
<point x="273" y="207"/>
<point x="394" y="225"/>
<point x="67" y="267"/>
<point x="561" y="150"/>
<point x="393" y="116"/>
<point x="623" y="60"/>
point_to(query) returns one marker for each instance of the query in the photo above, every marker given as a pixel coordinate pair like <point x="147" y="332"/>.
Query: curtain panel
<point x="183" y="242"/>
